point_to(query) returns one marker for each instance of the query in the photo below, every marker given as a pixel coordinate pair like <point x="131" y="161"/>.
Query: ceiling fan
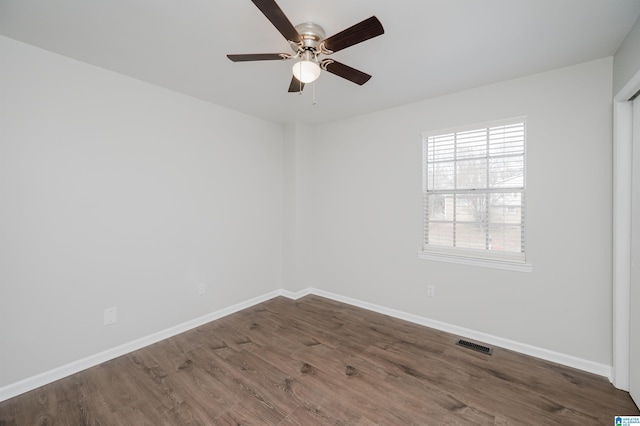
<point x="308" y="43"/>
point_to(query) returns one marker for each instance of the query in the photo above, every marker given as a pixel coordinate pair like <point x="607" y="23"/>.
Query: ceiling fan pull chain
<point x="300" y="81"/>
<point x="314" y="93"/>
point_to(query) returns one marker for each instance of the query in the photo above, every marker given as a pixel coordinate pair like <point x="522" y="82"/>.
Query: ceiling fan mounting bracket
<point x="323" y="50"/>
<point x="325" y="63"/>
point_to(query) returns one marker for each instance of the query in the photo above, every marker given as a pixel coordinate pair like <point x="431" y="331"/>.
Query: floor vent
<point x="476" y="347"/>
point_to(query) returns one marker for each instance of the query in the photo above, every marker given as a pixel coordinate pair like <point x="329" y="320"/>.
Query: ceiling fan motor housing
<point x="311" y="34"/>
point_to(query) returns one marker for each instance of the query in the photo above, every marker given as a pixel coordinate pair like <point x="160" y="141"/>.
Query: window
<point x="474" y="193"/>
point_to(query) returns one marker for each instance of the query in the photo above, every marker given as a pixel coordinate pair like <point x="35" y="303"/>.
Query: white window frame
<point x="475" y="257"/>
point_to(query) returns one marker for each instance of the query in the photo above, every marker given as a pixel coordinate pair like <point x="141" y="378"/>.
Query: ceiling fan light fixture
<point x="306" y="71"/>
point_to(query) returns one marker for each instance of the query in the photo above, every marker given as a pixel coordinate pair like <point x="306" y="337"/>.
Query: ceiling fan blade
<point x="296" y="85"/>
<point x="369" y="28"/>
<point x="279" y="20"/>
<point x="345" y="71"/>
<point x="257" y="57"/>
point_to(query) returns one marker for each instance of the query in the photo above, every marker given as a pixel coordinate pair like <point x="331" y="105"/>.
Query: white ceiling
<point x="430" y="47"/>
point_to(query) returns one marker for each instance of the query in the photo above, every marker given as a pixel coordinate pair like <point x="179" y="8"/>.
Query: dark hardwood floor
<point x="316" y="361"/>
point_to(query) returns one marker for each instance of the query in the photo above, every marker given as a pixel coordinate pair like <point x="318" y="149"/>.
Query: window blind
<point x="474" y="192"/>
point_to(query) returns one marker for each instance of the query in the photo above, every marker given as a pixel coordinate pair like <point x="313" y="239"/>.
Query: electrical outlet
<point x="110" y="315"/>
<point x="202" y="288"/>
<point x="431" y="291"/>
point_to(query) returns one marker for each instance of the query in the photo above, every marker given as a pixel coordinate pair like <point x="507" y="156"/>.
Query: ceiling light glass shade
<point x="306" y="71"/>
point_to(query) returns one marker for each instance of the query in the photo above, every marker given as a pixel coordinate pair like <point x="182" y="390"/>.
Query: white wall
<point x="297" y="236"/>
<point x="626" y="62"/>
<point x="367" y="222"/>
<point x="626" y="82"/>
<point x="114" y="192"/>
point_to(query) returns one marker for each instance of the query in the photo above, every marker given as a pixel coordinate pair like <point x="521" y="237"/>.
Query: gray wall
<point x="626" y="62"/>
<point x="367" y="222"/>
<point x="114" y="192"/>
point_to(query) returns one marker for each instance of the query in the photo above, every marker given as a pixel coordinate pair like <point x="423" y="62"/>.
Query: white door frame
<point x="622" y="169"/>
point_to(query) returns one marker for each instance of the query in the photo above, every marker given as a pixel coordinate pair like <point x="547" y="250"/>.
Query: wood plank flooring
<point x="316" y="361"/>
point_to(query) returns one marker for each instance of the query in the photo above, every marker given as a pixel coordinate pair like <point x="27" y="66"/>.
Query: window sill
<point x="484" y="263"/>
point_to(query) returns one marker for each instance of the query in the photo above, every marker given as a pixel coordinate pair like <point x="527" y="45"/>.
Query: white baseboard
<point x="47" y="377"/>
<point x="294" y="295"/>
<point x="557" y="357"/>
